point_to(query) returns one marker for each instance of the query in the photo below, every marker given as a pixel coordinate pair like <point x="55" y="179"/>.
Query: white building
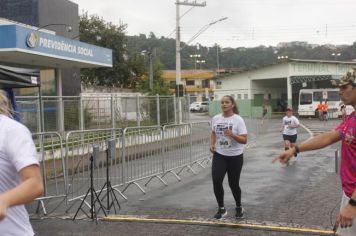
<point x="279" y="83"/>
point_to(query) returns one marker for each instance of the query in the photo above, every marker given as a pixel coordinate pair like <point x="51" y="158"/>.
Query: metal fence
<point x="142" y="153"/>
<point x="50" y="150"/>
<point x="100" y="111"/>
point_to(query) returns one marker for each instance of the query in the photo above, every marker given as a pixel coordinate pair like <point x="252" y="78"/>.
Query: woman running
<point x="228" y="137"/>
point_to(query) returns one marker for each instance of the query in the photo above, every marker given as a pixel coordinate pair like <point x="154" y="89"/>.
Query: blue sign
<point x="19" y="38"/>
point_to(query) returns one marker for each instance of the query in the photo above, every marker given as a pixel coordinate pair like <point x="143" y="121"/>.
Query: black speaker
<point x="96" y="154"/>
<point x="111" y="148"/>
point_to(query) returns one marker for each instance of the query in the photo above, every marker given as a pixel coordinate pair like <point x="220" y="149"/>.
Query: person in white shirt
<point x="289" y="129"/>
<point x="20" y="177"/>
<point x="228" y="137"/>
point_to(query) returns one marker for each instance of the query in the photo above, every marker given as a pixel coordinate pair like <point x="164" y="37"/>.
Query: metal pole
<point x="178" y="65"/>
<point x="217" y="60"/>
<point x="151" y="70"/>
<point x="158" y="110"/>
<point x="175" y="109"/>
<point x="60" y="105"/>
<point x="138" y="115"/>
<point x="81" y="111"/>
<point x="337" y="161"/>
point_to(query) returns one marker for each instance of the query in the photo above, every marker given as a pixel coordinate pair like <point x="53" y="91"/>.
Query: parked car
<point x="199" y="106"/>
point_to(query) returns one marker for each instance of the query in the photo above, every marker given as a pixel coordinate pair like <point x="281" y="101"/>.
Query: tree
<point x="160" y="86"/>
<point x="125" y="70"/>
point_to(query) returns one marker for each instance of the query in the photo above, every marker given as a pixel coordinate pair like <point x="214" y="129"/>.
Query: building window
<point x="218" y="83"/>
<point x="245" y="96"/>
<point x="205" y="83"/>
<point x="233" y="96"/>
<point x="190" y="82"/>
<point x="238" y="96"/>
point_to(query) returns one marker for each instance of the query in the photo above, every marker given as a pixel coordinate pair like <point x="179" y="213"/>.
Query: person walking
<point x="264" y="110"/>
<point x="346" y="132"/>
<point x="20" y="177"/>
<point x="228" y="137"/>
<point x="290" y="123"/>
<point x="320" y="110"/>
<point x="325" y="108"/>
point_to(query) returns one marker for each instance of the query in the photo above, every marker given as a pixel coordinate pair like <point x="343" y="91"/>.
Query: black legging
<point x="232" y="165"/>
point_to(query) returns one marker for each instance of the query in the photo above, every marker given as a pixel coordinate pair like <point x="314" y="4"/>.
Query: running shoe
<point x="221" y="213"/>
<point x="239" y="213"/>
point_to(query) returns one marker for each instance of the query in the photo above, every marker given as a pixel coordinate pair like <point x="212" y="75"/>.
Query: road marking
<point x="220" y="223"/>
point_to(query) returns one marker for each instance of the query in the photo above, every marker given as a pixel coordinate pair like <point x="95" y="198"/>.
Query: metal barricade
<point x="200" y="143"/>
<point x="142" y="155"/>
<point x="79" y="148"/>
<point x="50" y="151"/>
<point x="177" y="149"/>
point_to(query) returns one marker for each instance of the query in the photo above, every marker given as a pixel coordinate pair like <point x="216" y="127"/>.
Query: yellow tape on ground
<point x="219" y="223"/>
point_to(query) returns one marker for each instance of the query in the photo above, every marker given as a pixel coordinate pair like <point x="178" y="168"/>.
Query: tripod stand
<point x="110" y="191"/>
<point x="91" y="191"/>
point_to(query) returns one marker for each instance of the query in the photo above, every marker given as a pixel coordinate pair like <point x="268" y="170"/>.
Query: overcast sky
<point x="250" y="22"/>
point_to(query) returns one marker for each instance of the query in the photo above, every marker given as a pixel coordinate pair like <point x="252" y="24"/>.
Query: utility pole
<point x="217" y="60"/>
<point x="178" y="49"/>
<point x="151" y="70"/>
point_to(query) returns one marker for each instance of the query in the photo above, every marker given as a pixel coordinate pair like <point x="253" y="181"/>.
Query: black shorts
<point x="291" y="138"/>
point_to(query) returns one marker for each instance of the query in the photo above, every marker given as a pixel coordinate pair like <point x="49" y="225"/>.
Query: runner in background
<point x="290" y="123"/>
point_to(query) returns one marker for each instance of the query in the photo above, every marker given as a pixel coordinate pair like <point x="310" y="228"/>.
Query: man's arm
<point x="317" y="142"/>
<point x="30" y="188"/>
<point x="347" y="214"/>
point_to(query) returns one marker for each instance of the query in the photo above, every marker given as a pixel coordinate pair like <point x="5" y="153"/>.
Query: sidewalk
<point x="305" y="194"/>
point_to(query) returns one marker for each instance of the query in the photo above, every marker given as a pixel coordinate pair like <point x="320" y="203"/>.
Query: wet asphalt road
<point x="305" y="194"/>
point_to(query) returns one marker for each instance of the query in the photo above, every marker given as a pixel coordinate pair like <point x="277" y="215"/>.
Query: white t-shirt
<point x="226" y="145"/>
<point x="290" y="121"/>
<point x="17" y="151"/>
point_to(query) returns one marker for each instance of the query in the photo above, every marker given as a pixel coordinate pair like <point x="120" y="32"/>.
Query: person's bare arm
<point x="347" y="214"/>
<point x="30" y="188"/>
<point x="317" y="142"/>
<point x="213" y="141"/>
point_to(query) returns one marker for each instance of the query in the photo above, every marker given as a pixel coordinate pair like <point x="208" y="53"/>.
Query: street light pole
<point x="178" y="49"/>
<point x="195" y="60"/>
<point x="217" y="60"/>
<point x="150" y="69"/>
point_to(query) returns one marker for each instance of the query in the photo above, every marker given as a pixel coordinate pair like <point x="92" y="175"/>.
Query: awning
<point x="12" y="77"/>
<point x="21" y="46"/>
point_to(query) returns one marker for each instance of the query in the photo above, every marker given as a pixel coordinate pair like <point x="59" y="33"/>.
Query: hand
<point x="3" y="209"/>
<point x="346" y="216"/>
<point x="213" y="148"/>
<point x="228" y="132"/>
<point x="285" y="156"/>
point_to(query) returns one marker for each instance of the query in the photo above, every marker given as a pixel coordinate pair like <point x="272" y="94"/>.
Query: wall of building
<point x="44" y="12"/>
<point x="24" y="11"/>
